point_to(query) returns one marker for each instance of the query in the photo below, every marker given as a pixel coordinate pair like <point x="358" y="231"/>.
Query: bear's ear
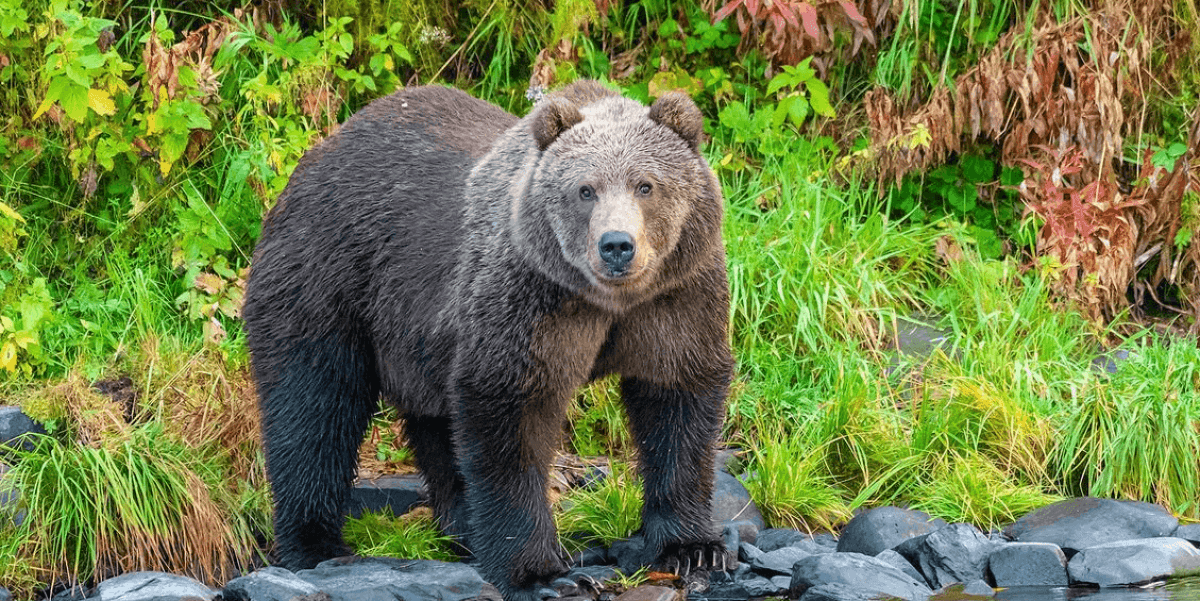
<point x="555" y="116"/>
<point x="677" y="111"/>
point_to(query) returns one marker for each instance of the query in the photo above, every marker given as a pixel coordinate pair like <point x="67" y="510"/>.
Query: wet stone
<point x="1028" y="564"/>
<point x="1189" y="533"/>
<point x="855" y="570"/>
<point x="870" y="532"/>
<point x="1132" y="561"/>
<point x="268" y="584"/>
<point x="772" y="539"/>
<point x="748" y="552"/>
<point x="387" y="579"/>
<point x="842" y="592"/>
<point x="399" y="493"/>
<point x="648" y="593"/>
<point x="731" y="502"/>
<point x="956" y="553"/>
<point x="977" y="590"/>
<point x="898" y="561"/>
<point x="148" y="586"/>
<point x="1085" y="522"/>
<point x="780" y="561"/>
<point x="14" y="424"/>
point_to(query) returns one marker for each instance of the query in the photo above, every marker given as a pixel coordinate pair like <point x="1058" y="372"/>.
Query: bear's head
<point x="620" y="204"/>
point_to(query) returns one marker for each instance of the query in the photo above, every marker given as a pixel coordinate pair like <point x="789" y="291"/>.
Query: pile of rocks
<point x="882" y="553"/>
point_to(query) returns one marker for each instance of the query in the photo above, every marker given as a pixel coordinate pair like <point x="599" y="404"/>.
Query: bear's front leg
<point x="676" y="432"/>
<point x="505" y="442"/>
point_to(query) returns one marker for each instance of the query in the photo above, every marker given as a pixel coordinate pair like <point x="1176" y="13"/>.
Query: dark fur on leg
<point x="330" y="383"/>
<point x="676" y="432"/>
<point x="430" y="440"/>
<point x="505" y="467"/>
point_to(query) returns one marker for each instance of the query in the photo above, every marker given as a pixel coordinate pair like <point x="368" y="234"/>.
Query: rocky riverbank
<point x="887" y="552"/>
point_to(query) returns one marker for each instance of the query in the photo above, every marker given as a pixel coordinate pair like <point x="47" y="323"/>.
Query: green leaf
<point x="1011" y="176"/>
<point x="74" y="102"/>
<point x="977" y="169"/>
<point x="778" y="82"/>
<point x="818" y="96"/>
<point x="798" y="110"/>
<point x="668" y="28"/>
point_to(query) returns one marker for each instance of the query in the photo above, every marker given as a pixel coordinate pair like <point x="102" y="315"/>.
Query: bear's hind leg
<point x="430" y="440"/>
<point x="316" y="398"/>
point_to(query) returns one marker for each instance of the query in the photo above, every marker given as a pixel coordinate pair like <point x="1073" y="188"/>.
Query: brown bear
<point x="475" y="269"/>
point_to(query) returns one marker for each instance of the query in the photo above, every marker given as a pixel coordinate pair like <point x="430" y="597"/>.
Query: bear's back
<point x="370" y="223"/>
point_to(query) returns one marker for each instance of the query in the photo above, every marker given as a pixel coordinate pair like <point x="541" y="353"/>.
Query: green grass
<point x="137" y="501"/>
<point x="609" y="511"/>
<point x="409" y="536"/>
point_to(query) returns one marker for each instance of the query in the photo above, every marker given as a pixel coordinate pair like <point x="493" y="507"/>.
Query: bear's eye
<point x="644" y="189"/>
<point x="587" y="194"/>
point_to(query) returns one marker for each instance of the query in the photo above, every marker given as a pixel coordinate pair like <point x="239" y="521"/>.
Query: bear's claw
<point x="681" y="559"/>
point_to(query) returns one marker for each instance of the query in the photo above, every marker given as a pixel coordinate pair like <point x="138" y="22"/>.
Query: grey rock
<point x="843" y="592"/>
<point x="386" y="579"/>
<point x="979" y="588"/>
<point x="1028" y="564"/>
<point x="399" y="493"/>
<point x="920" y="339"/>
<point x="1077" y="524"/>
<point x="743" y="530"/>
<point x="591" y="556"/>
<point x="771" y="539"/>
<point x="731" y="502"/>
<point x="268" y="584"/>
<point x="726" y="460"/>
<point x="956" y="553"/>
<point x="647" y="593"/>
<point x="727" y="591"/>
<point x="857" y="570"/>
<point x="147" y="586"/>
<point x="14" y="423"/>
<point x="628" y="553"/>
<point x="870" y="532"/>
<point x="1109" y="362"/>
<point x="976" y="590"/>
<point x="898" y="561"/>
<point x="748" y="552"/>
<point x="1132" y="561"/>
<point x="1189" y="533"/>
<point x="779" y="561"/>
<point x="826" y="540"/>
<point x="5" y="595"/>
<point x="782" y="583"/>
<point x="759" y="586"/>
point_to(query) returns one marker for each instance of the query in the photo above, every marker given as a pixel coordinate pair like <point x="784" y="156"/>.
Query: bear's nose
<point x="616" y="250"/>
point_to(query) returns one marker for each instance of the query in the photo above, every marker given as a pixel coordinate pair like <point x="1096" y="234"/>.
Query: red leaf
<point x="791" y="17"/>
<point x="777" y="21"/>
<point x="852" y="12"/>
<point x="726" y="11"/>
<point x="752" y="8"/>
<point x="809" y="15"/>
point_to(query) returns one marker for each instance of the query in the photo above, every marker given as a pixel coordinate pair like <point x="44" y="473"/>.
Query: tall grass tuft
<point x="411" y="536"/>
<point x="790" y="482"/>
<point x="1134" y="434"/>
<point x="136" y="502"/>
<point x="971" y="488"/>
<point x="601" y="514"/>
